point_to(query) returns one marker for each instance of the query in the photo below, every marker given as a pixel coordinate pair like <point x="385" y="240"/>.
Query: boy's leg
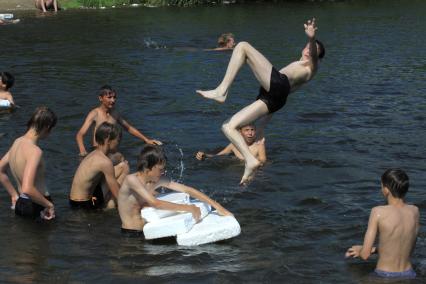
<point x="245" y="116"/>
<point x="258" y="63"/>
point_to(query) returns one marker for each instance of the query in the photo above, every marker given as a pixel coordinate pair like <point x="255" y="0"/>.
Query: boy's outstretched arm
<point x="198" y="195"/>
<point x="262" y="150"/>
<point x="157" y="203"/>
<point x="4" y="179"/>
<point x="367" y="248"/>
<point x="132" y="130"/>
<point x="202" y="155"/>
<point x="83" y="130"/>
<point x="310" y="30"/>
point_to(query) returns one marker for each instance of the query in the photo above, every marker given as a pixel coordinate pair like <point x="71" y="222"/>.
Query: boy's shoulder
<point x="5" y="95"/>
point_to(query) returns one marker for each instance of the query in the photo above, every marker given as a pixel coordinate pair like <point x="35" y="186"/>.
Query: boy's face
<point x="156" y="172"/>
<point x="249" y="133"/>
<point x="108" y="100"/>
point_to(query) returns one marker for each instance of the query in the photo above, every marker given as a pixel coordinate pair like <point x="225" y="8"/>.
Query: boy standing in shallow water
<point x="397" y="224"/>
<point x="139" y="190"/>
<point x="25" y="160"/>
<point x="107" y="113"/>
<point x="96" y="178"/>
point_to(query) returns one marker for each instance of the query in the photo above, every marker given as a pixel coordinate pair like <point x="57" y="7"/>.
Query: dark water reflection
<point x="363" y="113"/>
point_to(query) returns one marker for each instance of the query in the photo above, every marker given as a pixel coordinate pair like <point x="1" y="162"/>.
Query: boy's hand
<point x="196" y="213"/>
<point x="310" y="28"/>
<point x="48" y="213"/>
<point x="201" y="156"/>
<point x="13" y="201"/>
<point x="153" y="142"/>
<point x="353" y="251"/>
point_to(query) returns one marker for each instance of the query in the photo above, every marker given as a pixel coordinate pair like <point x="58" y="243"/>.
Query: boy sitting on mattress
<point x="139" y="189"/>
<point x="6" y="82"/>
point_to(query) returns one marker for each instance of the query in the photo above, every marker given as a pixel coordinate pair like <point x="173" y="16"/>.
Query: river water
<point x="364" y="112"/>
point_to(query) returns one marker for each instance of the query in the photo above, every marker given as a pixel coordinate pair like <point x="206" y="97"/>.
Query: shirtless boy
<point x="6" y="82"/>
<point x="256" y="147"/>
<point x="96" y="177"/>
<point x="397" y="224"/>
<point x="107" y="113"/>
<point x="139" y="190"/>
<point x="45" y="5"/>
<point x="275" y="87"/>
<point x="25" y="161"/>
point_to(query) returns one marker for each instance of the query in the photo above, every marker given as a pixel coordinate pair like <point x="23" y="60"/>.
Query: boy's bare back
<point x="398" y="227"/>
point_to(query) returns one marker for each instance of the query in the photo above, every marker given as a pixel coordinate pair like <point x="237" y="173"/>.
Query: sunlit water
<point x="364" y="112"/>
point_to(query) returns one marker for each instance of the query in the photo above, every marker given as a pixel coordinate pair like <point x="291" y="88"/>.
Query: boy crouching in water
<point x="139" y="190"/>
<point x="397" y="224"/>
<point x="96" y="177"/>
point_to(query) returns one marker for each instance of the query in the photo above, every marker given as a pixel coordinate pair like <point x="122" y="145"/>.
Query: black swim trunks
<point x="96" y="202"/>
<point x="279" y="90"/>
<point x="27" y="208"/>
<point x="132" y="233"/>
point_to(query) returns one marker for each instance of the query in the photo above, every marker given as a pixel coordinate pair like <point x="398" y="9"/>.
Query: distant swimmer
<point x="139" y="190"/>
<point x="275" y="87"/>
<point x="225" y="42"/>
<point x="97" y="181"/>
<point x="255" y="144"/>
<point x="45" y="5"/>
<point x="106" y="112"/>
<point x="6" y="82"/>
<point x="26" y="164"/>
<point x="397" y="225"/>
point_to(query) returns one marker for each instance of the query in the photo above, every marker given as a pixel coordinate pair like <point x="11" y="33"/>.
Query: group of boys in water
<point x="102" y="180"/>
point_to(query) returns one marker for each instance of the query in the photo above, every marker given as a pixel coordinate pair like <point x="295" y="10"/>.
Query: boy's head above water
<point x="152" y="162"/>
<point x="249" y="133"/>
<point x="107" y="96"/>
<point x="6" y="81"/>
<point x="395" y="182"/>
<point x="108" y="133"/>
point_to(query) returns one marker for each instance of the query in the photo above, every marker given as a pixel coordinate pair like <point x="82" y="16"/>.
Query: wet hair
<point x="42" y="118"/>
<point x="222" y="41"/>
<point x="396" y="180"/>
<point x="150" y="156"/>
<point x="107" y="131"/>
<point x="321" y="51"/>
<point x="105" y="90"/>
<point x="249" y="124"/>
<point x="7" y="79"/>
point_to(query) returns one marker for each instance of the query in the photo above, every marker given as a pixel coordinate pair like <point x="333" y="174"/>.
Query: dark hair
<point x="7" y="79"/>
<point x="396" y="180"/>
<point x="222" y="41"/>
<point x="321" y="52"/>
<point x="107" y="131"/>
<point x="150" y="156"/>
<point x="105" y="90"/>
<point x="42" y="118"/>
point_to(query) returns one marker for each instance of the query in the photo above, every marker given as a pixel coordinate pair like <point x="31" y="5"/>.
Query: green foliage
<point x="109" y="3"/>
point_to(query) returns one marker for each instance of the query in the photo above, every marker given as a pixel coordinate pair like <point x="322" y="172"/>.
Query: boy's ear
<point x="385" y="191"/>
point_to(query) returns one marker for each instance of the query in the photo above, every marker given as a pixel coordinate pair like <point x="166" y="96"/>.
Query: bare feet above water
<point x="249" y="172"/>
<point x="215" y="94"/>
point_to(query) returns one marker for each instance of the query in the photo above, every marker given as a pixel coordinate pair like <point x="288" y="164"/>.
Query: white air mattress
<point x="211" y="229"/>
<point x="174" y="225"/>
<point x="151" y="214"/>
<point x="4" y="104"/>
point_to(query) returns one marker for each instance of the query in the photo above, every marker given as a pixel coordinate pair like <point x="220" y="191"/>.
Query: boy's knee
<point x="227" y="127"/>
<point x="242" y="45"/>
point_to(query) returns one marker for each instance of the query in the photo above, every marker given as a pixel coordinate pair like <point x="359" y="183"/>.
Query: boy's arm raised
<point x="4" y="179"/>
<point x="83" y="130"/>
<point x="132" y="130"/>
<point x="262" y="150"/>
<point x="367" y="248"/>
<point x="198" y="195"/>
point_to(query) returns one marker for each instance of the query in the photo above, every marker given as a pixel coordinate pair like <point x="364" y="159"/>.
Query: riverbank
<point x="7" y="5"/>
